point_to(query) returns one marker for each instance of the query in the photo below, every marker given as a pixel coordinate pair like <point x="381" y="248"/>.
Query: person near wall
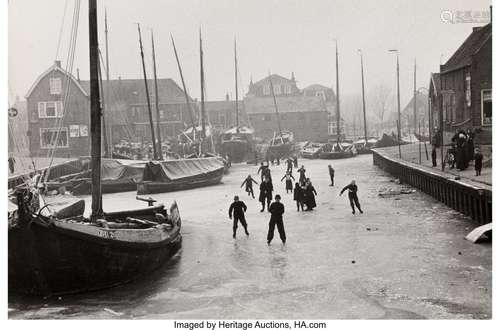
<point x="478" y="161"/>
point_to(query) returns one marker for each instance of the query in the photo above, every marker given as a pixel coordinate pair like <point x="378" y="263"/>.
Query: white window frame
<point x="482" y="108"/>
<point x="42" y="109"/>
<point x="55" y="86"/>
<point x="64" y="130"/>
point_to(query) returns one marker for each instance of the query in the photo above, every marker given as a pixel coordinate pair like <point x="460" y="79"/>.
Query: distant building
<point x="330" y="103"/>
<point x="222" y="114"/>
<point x="434" y="93"/>
<point x="466" y="86"/>
<point x="56" y="93"/>
<point x="306" y="116"/>
<point x="407" y="115"/>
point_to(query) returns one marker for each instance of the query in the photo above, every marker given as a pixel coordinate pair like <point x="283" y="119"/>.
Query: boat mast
<point x="109" y="131"/>
<point x="104" y="112"/>
<point x="236" y="88"/>
<point x="337" y="89"/>
<point x="155" y="155"/>
<point x="158" y="129"/>
<point x="275" y="106"/>
<point x="202" y="82"/>
<point x="185" y="90"/>
<point x="363" y="92"/>
<point x="95" y="113"/>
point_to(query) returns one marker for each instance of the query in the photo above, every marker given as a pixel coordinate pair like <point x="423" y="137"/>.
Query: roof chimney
<point x="58" y="63"/>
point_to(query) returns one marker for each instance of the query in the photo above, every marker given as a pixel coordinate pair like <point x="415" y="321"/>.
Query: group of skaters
<point x="462" y="152"/>
<point x="304" y="195"/>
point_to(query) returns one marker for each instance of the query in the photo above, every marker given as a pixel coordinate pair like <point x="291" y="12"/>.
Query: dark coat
<point x="478" y="161"/>
<point x="266" y="191"/>
<point x="276" y="209"/>
<point x="310" y="192"/>
<point x="239" y="209"/>
<point x="298" y="194"/>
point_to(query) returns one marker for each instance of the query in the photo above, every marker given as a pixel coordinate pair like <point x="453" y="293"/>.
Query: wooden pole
<point x="441" y="128"/>
<point x="236" y="88"/>
<point x="275" y="106"/>
<point x="202" y="83"/>
<point x="419" y="146"/>
<point x="337" y="89"/>
<point x="363" y="92"/>
<point x="188" y="103"/>
<point x="398" y="124"/>
<point x="95" y="113"/>
<point x="157" y="100"/>
<point x="155" y="155"/>
<point x="415" y="97"/>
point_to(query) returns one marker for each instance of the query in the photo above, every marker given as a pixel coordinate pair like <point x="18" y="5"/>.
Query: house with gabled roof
<point x="466" y="86"/>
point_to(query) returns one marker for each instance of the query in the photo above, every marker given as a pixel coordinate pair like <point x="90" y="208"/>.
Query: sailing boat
<point x="55" y="253"/>
<point x="238" y="142"/>
<point x="281" y="145"/>
<point x="338" y="150"/>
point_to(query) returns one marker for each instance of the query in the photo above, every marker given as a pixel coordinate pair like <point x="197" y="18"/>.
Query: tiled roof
<point x="285" y="104"/>
<point x="463" y="55"/>
<point x="275" y="78"/>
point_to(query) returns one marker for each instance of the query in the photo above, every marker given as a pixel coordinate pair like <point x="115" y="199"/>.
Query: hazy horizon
<point x="277" y="36"/>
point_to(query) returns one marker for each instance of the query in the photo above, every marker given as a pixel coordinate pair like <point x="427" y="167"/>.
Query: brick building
<point x="222" y="114"/>
<point x="466" y="86"/>
<point x="126" y="112"/>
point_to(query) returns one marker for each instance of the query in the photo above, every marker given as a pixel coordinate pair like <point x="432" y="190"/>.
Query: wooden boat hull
<point x="65" y="258"/>
<point x="239" y="151"/>
<point x="336" y="155"/>
<point x="153" y="187"/>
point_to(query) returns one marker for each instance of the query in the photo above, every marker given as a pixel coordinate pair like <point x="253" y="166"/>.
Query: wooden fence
<point x="467" y="199"/>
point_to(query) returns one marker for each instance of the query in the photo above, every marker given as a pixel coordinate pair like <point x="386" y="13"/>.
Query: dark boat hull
<point x="336" y="155"/>
<point x="49" y="260"/>
<point x="203" y="180"/>
<point x="239" y="151"/>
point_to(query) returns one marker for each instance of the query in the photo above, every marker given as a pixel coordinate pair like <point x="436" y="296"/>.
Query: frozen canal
<point x="405" y="257"/>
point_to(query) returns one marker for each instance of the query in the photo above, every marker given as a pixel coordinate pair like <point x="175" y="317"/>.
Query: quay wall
<point x="465" y="198"/>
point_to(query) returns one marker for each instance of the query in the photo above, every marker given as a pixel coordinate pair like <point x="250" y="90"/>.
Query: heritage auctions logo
<point x="465" y="16"/>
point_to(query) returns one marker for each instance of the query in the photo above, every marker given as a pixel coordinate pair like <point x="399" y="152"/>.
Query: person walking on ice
<point x="248" y="182"/>
<point x="237" y="213"/>
<point x="288" y="182"/>
<point x="353" y="196"/>
<point x="276" y="209"/>
<point x="331" y="171"/>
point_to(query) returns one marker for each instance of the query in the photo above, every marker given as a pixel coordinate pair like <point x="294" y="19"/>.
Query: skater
<point x="238" y="208"/>
<point x="478" y="161"/>
<point x="310" y="194"/>
<point x="276" y="209"/>
<point x="331" y="171"/>
<point x="298" y="196"/>
<point x="288" y="182"/>
<point x="353" y="196"/>
<point x="262" y="170"/>
<point x="295" y="161"/>
<point x="248" y="182"/>
<point x="302" y="177"/>
<point x="266" y="193"/>
<point x="434" y="156"/>
<point x="289" y="165"/>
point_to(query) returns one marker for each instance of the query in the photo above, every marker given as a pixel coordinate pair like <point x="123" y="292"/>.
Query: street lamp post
<point x="399" y="99"/>
<point x="363" y="93"/>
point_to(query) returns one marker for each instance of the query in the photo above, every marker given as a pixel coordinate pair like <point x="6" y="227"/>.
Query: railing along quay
<point x="467" y="199"/>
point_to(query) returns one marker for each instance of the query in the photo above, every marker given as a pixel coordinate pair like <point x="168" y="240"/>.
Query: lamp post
<point x="363" y="93"/>
<point x="399" y="99"/>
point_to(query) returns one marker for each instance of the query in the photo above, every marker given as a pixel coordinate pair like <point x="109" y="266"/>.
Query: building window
<point x="332" y="128"/>
<point x="266" y="89"/>
<point x="48" y="138"/>
<point x="277" y="89"/>
<point x="50" y="109"/>
<point x="55" y="86"/>
<point x="288" y="89"/>
<point x="467" y="90"/>
<point x="486" y="107"/>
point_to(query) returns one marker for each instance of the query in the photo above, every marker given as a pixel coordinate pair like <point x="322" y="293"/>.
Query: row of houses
<point x="58" y="109"/>
<point x="462" y="91"/>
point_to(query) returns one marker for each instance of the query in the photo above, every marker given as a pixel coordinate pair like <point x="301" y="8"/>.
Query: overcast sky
<point x="277" y="35"/>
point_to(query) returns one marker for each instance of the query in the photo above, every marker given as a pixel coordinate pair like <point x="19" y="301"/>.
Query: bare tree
<point x="380" y="95"/>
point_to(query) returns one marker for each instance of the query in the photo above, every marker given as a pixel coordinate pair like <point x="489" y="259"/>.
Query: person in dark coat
<point x="276" y="209"/>
<point x="331" y="171"/>
<point x="262" y="170"/>
<point x="288" y="182"/>
<point x="478" y="162"/>
<point x="248" y="182"/>
<point x="289" y="165"/>
<point x="237" y="213"/>
<point x="298" y="196"/>
<point x="460" y="140"/>
<point x="434" y="156"/>
<point x="266" y="193"/>
<point x="302" y="177"/>
<point x="310" y="194"/>
<point x="353" y="196"/>
<point x="295" y="161"/>
<point x="469" y="145"/>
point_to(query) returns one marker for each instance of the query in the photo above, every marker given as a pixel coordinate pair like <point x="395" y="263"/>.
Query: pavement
<point x="404" y="258"/>
<point x="410" y="152"/>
